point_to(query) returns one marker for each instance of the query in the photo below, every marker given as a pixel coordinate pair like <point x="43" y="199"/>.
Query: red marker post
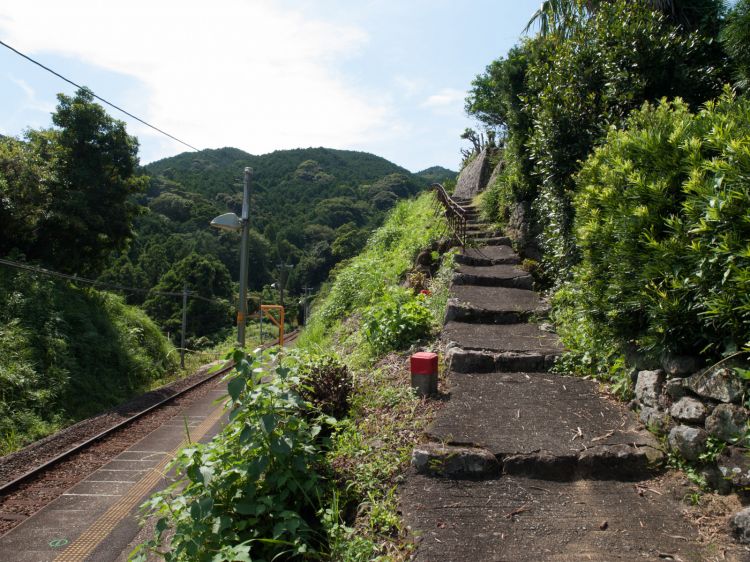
<point x="424" y="373"/>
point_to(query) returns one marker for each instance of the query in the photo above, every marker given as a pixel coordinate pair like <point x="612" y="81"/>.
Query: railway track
<point x="24" y="494"/>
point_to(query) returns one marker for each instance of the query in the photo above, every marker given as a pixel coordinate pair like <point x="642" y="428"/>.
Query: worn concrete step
<point x="477" y="361"/>
<point x="493" y="305"/>
<point x="502" y="275"/>
<point x="488" y="255"/>
<point x="474" y="233"/>
<point x="546" y="426"/>
<point x="463" y="201"/>
<point x="500" y="338"/>
<point x="523" y="520"/>
<point x="490" y="241"/>
<point x="479" y="225"/>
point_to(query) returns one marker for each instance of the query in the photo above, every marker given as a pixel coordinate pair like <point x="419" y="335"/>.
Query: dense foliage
<point x="258" y="490"/>
<point x="555" y="97"/>
<point x="50" y="332"/>
<point x="663" y="223"/>
<point x="65" y="193"/>
<point x="396" y="321"/>
<point x="208" y="315"/>
<point x="736" y="40"/>
<point x="66" y="201"/>
<point x="284" y="479"/>
<point x="390" y="252"/>
<point x="311" y="208"/>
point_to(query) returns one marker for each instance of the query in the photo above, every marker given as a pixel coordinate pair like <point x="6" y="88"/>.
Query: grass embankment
<point x="309" y="465"/>
<point x="365" y="319"/>
<point x="68" y="353"/>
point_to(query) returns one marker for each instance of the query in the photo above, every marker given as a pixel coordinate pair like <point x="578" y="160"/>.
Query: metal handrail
<point x="455" y="214"/>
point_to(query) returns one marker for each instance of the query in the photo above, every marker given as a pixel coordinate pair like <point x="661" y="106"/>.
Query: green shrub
<point x="555" y="98"/>
<point x="389" y="255"/>
<point x="253" y="493"/>
<point x="68" y="353"/>
<point x="622" y="56"/>
<point x="325" y="381"/>
<point x="736" y="40"/>
<point x="396" y="321"/>
<point x="663" y="224"/>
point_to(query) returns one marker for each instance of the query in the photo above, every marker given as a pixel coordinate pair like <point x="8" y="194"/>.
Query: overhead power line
<point x="109" y="103"/>
<point x="113" y="286"/>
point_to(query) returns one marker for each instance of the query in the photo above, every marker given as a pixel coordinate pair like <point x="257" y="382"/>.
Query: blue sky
<point x="386" y="77"/>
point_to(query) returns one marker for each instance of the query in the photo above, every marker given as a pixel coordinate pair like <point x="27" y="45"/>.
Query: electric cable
<point x="109" y="103"/>
<point x="113" y="286"/>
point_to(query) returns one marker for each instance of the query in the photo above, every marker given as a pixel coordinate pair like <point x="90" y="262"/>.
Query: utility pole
<point x="233" y="223"/>
<point x="184" y="325"/>
<point x="260" y="318"/>
<point x="245" y="225"/>
<point x="308" y="292"/>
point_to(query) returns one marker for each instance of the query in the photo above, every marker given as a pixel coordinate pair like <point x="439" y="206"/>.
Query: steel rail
<point x="455" y="214"/>
<point x="16" y="482"/>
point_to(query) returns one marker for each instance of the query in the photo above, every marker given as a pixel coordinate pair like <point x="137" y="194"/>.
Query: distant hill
<point x="210" y="172"/>
<point x="309" y="207"/>
<point x="437" y="174"/>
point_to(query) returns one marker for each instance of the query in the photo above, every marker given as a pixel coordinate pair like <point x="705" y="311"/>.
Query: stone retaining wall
<point x="703" y="417"/>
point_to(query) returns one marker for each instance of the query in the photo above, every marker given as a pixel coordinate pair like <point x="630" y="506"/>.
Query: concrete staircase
<point x="521" y="464"/>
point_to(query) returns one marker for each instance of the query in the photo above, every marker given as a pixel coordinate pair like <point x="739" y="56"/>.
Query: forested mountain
<point x="74" y="200"/>
<point x="438" y="174"/>
<point x="310" y="208"/>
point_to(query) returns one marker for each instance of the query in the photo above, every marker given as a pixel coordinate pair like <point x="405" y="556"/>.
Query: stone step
<point x="502" y="275"/>
<point x="488" y="255"/>
<point x="474" y="233"/>
<point x="479" y="225"/>
<point x="490" y="241"/>
<point x="546" y="426"/>
<point x="477" y="361"/>
<point x="524" y="520"/>
<point x="492" y="305"/>
<point x="502" y="338"/>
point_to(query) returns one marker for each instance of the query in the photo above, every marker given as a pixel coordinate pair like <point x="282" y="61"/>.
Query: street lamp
<point x="231" y="222"/>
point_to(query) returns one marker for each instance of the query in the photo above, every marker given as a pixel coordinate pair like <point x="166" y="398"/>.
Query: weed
<point x="254" y="492"/>
<point x="397" y="320"/>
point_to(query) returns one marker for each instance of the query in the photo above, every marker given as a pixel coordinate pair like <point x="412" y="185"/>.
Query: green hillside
<point x="310" y="208"/>
<point x="217" y="171"/>
<point x="437" y="174"/>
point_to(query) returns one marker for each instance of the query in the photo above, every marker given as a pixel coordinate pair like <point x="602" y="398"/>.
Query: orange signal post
<point x="267" y="309"/>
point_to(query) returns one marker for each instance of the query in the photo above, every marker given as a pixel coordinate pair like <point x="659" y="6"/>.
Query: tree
<point x="564" y="16"/>
<point x="95" y="163"/>
<point x="25" y="180"/>
<point x="204" y="275"/>
<point x="736" y="40"/>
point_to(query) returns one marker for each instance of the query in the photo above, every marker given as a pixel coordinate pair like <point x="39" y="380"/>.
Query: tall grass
<point x="67" y="353"/>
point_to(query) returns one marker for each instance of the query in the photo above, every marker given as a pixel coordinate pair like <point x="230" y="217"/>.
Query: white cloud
<point x="445" y="98"/>
<point x="31" y="101"/>
<point x="223" y="73"/>
<point x="408" y="86"/>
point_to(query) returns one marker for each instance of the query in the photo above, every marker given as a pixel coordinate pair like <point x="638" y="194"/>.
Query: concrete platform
<point x="546" y="426"/>
<point x="502" y="337"/>
<point x="517" y="519"/>
<point x="97" y="518"/>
